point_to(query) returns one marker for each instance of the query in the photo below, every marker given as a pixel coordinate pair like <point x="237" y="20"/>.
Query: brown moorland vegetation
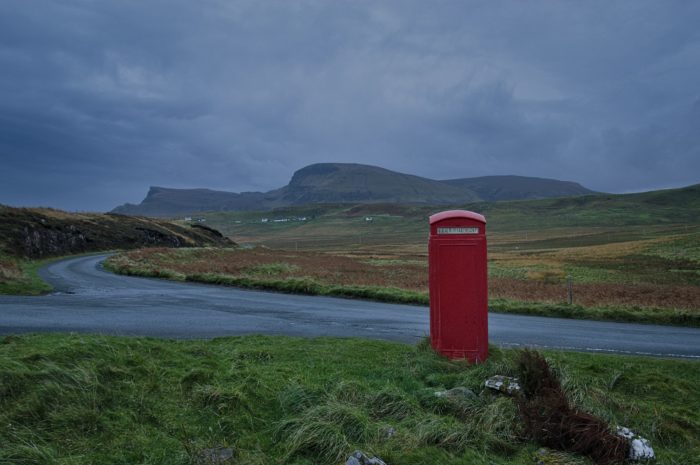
<point x="9" y="269"/>
<point x="407" y="272"/>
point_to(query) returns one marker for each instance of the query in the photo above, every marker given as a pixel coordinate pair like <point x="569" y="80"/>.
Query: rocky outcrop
<point x="39" y="241"/>
<point x="38" y="233"/>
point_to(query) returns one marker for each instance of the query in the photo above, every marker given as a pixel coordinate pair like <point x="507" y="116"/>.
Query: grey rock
<point x="504" y="384"/>
<point x="388" y="432"/>
<point x="215" y="456"/>
<point x="360" y="458"/>
<point x="640" y="448"/>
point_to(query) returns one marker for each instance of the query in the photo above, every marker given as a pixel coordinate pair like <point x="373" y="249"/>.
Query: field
<point x="69" y="399"/>
<point x="628" y="258"/>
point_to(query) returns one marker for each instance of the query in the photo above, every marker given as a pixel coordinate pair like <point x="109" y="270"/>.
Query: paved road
<point x="89" y="299"/>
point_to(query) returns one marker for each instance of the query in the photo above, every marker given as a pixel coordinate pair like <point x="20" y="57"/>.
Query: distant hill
<point x="43" y="232"/>
<point x="352" y="183"/>
<point x="163" y="201"/>
<point x="495" y="188"/>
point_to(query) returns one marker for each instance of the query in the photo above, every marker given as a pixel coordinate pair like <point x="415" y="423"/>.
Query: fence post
<point x="570" y="289"/>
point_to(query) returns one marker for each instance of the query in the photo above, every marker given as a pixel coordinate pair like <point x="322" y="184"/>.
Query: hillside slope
<point x="39" y="233"/>
<point x="351" y="183"/>
<point x="496" y="188"/>
<point x="594" y="216"/>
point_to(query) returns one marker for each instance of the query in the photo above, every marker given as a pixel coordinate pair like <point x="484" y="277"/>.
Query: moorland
<point x="633" y="257"/>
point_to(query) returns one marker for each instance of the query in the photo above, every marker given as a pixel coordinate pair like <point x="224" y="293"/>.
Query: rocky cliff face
<point x="40" y="241"/>
<point x="38" y="233"/>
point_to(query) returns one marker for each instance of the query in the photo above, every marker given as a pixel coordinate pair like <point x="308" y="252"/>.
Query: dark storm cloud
<point x="99" y="100"/>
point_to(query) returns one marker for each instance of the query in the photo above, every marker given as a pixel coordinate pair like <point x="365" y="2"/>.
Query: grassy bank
<point x="90" y="399"/>
<point x="21" y="277"/>
<point x="399" y="281"/>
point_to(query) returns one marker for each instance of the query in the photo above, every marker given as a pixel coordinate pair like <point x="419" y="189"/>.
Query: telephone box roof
<point x="456" y="214"/>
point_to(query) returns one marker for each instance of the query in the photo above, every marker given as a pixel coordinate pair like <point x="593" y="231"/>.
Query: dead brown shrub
<point x="550" y="420"/>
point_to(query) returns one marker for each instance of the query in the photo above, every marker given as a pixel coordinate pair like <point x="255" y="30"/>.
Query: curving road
<point x="91" y="300"/>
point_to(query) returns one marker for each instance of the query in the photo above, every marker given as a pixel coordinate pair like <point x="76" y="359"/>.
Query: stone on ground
<point x="640" y="448"/>
<point x="504" y="384"/>
<point x="360" y="458"/>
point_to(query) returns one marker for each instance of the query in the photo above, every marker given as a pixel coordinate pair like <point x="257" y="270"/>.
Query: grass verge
<point x="21" y="277"/>
<point x="74" y="399"/>
<point x="310" y="286"/>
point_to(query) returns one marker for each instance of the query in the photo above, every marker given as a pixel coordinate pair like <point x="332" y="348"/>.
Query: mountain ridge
<point x="352" y="183"/>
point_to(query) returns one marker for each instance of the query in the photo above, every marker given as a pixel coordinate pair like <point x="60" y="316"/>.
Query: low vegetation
<point x="73" y="399"/>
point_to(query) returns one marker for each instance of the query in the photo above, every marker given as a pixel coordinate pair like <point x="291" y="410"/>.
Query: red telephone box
<point x="458" y="285"/>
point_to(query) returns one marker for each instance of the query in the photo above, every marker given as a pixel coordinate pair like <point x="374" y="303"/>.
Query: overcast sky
<point x="101" y="99"/>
